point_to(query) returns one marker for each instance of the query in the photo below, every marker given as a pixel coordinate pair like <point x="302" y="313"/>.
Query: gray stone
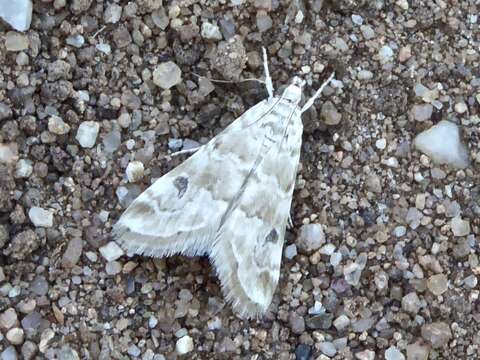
<point x="328" y="348"/>
<point x="364" y="75"/>
<point x="87" y="133"/>
<point x="58" y="70"/>
<point x="311" y="237"/>
<point x="113" y="268"/>
<point x="31" y="321"/>
<point x="16" y="41"/>
<point x="438" y="334"/>
<point x="18" y="13"/>
<point x="15" y="336"/>
<point x="134" y="350"/>
<point x="167" y="75"/>
<point x="112" y="13"/>
<point x="422" y="112"/>
<point x="363" y="324"/>
<point x="112" y="141"/>
<point x="40" y="217"/>
<point x="184" y="345"/>
<point x="29" y="350"/>
<point x="264" y="21"/>
<point x="411" y="303"/>
<point x="365" y="355"/>
<point x="75" y="40"/>
<point x="122" y="37"/>
<point x="230" y="58"/>
<point x="211" y="31"/>
<point x="111" y="251"/>
<point x="417" y="351"/>
<point x="443" y="145"/>
<point x="24" y="168"/>
<point x="72" y="254"/>
<point x="290" y="251"/>
<point x="134" y="171"/>
<point x="9" y="354"/>
<point x="5" y="111"/>
<point x="23" y="244"/>
<point x="57" y="126"/>
<point x="39" y="286"/>
<point x="392" y="353"/>
<point x="367" y="32"/>
<point x="330" y="114"/>
<point x="385" y="54"/>
<point x="341" y="323"/>
<point x="8" y="319"/>
<point x="460" y="227"/>
<point x="437" y="284"/>
<point x="80" y="6"/>
<point x="297" y="323"/>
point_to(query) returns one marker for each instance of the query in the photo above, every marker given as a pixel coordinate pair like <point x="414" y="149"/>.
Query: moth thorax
<point x="293" y="93"/>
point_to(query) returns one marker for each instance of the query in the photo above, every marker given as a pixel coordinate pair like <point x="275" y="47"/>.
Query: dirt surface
<point x="382" y="261"/>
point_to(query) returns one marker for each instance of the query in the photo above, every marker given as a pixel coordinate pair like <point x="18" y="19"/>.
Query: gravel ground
<point x="382" y="261"/>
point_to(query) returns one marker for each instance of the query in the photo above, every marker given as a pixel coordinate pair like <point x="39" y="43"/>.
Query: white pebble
<point x="442" y="144"/>
<point x="460" y="227"/>
<point x="111" y="251"/>
<point x="40" y="217"/>
<point x="167" y="75"/>
<point x="184" y="345"/>
<point x="87" y="133"/>
<point x="385" y="53"/>
<point x="364" y="75"/>
<point x="291" y="251"/>
<point x="134" y="171"/>
<point x="18" y="13"/>
<point x="211" y="31"/>
<point x="357" y="19"/>
<point x="104" y="48"/>
<point x="381" y="144"/>
<point x="461" y="108"/>
<point x="24" y="168"/>
<point x="57" y="126"/>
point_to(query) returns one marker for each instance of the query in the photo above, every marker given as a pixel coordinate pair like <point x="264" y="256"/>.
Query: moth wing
<point x="248" y="249"/>
<point x="181" y="211"/>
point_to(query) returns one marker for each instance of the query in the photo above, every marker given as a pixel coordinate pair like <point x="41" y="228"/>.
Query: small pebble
<point x="392" y="353"/>
<point x="438" y="334"/>
<point x="184" y="345"/>
<point x="134" y="171"/>
<point x="111" y="251"/>
<point x="211" y="31"/>
<point x="311" y="237"/>
<point x="167" y="75"/>
<point x="87" y="133"/>
<point x="40" y="217"/>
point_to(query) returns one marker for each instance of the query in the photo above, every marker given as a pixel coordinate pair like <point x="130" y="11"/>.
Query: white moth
<point x="230" y="200"/>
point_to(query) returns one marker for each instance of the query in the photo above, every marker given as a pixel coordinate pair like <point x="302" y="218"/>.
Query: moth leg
<point x="310" y="101"/>
<point x="187" y="151"/>
<point x="268" y="79"/>
<point x="289" y="222"/>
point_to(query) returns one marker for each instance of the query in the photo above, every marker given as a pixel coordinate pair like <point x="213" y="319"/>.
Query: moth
<point x="230" y="200"/>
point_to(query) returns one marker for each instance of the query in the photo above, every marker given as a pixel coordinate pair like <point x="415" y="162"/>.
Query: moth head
<point x="293" y="92"/>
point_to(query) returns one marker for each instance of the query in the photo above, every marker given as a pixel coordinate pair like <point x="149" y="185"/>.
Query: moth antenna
<point x="229" y="81"/>
<point x="310" y="101"/>
<point x="268" y="79"/>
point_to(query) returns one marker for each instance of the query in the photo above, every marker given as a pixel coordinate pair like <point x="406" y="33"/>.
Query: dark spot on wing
<point x="181" y="183"/>
<point x="272" y="236"/>
<point x="140" y="209"/>
<point x="265" y="280"/>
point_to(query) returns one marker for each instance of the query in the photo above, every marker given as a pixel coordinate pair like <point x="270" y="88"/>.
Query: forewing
<point x="181" y="212"/>
<point x="248" y="247"/>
